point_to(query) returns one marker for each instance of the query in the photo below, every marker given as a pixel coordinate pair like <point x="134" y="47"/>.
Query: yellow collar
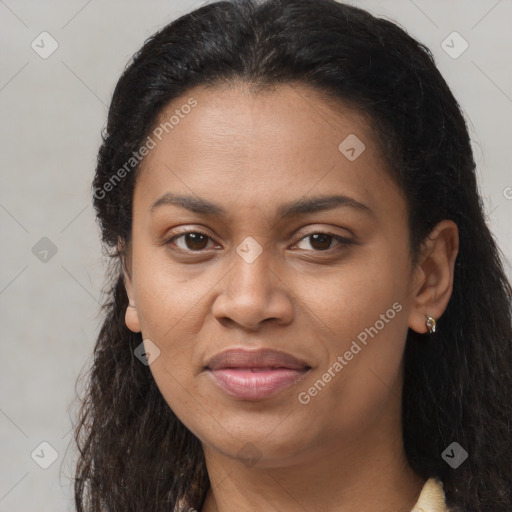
<point x="431" y="498"/>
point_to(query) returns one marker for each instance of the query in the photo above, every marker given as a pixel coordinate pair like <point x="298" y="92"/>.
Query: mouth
<point x="256" y="383"/>
<point x="255" y="375"/>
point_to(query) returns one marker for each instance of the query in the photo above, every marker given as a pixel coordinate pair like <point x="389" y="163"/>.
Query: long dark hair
<point x="135" y="454"/>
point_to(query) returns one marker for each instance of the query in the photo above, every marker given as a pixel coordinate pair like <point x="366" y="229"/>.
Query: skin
<point x="249" y="153"/>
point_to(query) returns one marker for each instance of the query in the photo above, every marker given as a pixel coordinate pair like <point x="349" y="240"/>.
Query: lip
<point x="259" y="358"/>
<point x="255" y="374"/>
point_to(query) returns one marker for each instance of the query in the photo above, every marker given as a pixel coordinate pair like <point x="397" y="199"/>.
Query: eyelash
<point x="342" y="241"/>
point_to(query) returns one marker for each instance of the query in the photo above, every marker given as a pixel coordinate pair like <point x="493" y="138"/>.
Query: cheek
<point x="354" y="295"/>
<point x="364" y="306"/>
<point x="169" y="296"/>
<point x="171" y="304"/>
<point x="178" y="387"/>
<point x="170" y="316"/>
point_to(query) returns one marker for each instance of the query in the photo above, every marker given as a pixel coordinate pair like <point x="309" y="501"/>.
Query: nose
<point x="252" y="293"/>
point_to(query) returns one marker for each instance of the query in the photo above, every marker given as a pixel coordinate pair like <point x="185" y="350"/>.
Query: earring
<point x="431" y="324"/>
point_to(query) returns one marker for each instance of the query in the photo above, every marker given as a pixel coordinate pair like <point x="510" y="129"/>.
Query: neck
<point x="366" y="471"/>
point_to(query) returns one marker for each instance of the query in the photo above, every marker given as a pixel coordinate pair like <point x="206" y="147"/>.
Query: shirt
<point x="431" y="498"/>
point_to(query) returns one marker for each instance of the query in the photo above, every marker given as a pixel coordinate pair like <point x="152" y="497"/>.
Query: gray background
<point x="52" y="113"/>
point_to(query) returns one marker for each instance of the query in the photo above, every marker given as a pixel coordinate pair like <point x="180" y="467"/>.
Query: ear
<point x="433" y="281"/>
<point x="131" y="318"/>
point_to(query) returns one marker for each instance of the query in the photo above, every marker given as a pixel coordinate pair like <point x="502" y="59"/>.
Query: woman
<point x="308" y="310"/>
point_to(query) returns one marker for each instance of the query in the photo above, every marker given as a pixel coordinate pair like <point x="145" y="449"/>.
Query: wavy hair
<point x="134" y="453"/>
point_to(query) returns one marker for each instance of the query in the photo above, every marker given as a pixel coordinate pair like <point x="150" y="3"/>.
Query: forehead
<point x="239" y="146"/>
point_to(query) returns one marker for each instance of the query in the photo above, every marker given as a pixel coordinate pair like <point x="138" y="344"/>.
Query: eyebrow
<point x="286" y="210"/>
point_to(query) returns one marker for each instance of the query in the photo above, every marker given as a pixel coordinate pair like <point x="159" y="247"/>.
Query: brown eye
<point x="322" y="241"/>
<point x="191" y="241"/>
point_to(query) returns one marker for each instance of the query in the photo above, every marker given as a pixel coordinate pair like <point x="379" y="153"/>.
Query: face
<point x="293" y="238"/>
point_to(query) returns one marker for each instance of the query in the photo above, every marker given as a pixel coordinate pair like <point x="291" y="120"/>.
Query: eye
<point x="197" y="241"/>
<point x="192" y="241"/>
<point x="321" y="241"/>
